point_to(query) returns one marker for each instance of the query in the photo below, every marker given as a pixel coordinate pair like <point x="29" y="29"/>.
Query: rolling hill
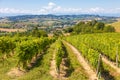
<point x="116" y="25"/>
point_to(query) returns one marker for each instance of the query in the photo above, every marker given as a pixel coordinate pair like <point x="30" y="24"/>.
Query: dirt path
<point x="104" y="59"/>
<point x="15" y="72"/>
<point x="53" y="71"/>
<point x="85" y="65"/>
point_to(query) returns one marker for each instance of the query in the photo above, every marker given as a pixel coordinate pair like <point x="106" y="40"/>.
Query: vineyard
<point x="26" y="51"/>
<point x="87" y="56"/>
<point x="59" y="40"/>
<point x="95" y="46"/>
<point x="25" y="58"/>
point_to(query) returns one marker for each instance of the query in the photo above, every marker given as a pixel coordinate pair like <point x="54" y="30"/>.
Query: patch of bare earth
<point x="63" y="70"/>
<point x="83" y="62"/>
<point x="34" y="60"/>
<point x="15" y="72"/>
<point x="62" y="75"/>
<point x="111" y="64"/>
<point x="53" y="71"/>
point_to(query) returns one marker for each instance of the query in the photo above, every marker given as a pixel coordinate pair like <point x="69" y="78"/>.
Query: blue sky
<point x="59" y="6"/>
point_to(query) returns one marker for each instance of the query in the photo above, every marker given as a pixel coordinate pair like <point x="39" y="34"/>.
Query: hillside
<point x="116" y="25"/>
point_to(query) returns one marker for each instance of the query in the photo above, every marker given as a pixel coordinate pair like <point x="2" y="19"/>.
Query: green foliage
<point x="38" y="33"/>
<point x="59" y="53"/>
<point x="68" y="30"/>
<point x="92" y="27"/>
<point x="108" y="44"/>
<point x="5" y="25"/>
<point x="79" y="27"/>
<point x="109" y="28"/>
<point x="90" y="54"/>
<point x="57" y="33"/>
<point x="76" y="68"/>
<point x="7" y="45"/>
<point x="27" y="49"/>
<point x="89" y="51"/>
<point x="91" y="45"/>
<point x="40" y="72"/>
<point x="43" y="33"/>
<point x="99" y="26"/>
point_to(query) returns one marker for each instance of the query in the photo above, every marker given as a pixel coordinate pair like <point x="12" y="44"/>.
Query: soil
<point x="53" y="71"/>
<point x="15" y="72"/>
<point x="83" y="62"/>
<point x="104" y="59"/>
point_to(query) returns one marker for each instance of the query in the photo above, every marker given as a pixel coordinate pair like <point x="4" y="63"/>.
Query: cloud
<point x="97" y="9"/>
<point x="13" y="10"/>
<point x="49" y="9"/>
<point x="93" y="10"/>
<point x="8" y="10"/>
<point x="53" y="8"/>
<point x="50" y="6"/>
<point x="116" y="10"/>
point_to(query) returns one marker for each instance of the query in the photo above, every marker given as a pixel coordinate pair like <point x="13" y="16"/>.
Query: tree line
<point x="90" y="27"/>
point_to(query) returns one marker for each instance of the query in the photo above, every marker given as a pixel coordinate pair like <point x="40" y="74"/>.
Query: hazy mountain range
<point x="107" y="14"/>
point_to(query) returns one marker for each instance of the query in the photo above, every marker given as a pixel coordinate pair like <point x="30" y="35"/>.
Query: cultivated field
<point x="12" y="30"/>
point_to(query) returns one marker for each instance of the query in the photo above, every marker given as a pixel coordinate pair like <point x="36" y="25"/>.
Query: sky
<point x="59" y="7"/>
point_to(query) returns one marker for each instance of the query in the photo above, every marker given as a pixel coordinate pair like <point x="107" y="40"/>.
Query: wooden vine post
<point x="98" y="67"/>
<point x="117" y="57"/>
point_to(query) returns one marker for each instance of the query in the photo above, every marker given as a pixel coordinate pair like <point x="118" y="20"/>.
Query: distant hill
<point x="60" y="17"/>
<point x="48" y="22"/>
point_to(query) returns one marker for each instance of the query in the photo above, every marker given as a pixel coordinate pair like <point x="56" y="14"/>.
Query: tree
<point x="69" y="30"/>
<point x="79" y="27"/>
<point x="92" y="27"/>
<point x="109" y="28"/>
<point x="93" y="22"/>
<point x="43" y="33"/>
<point x="38" y="33"/>
<point x="35" y="32"/>
<point x="99" y="26"/>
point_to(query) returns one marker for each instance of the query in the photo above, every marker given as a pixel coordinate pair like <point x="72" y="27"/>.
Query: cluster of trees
<point x="90" y="27"/>
<point x="38" y="33"/>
